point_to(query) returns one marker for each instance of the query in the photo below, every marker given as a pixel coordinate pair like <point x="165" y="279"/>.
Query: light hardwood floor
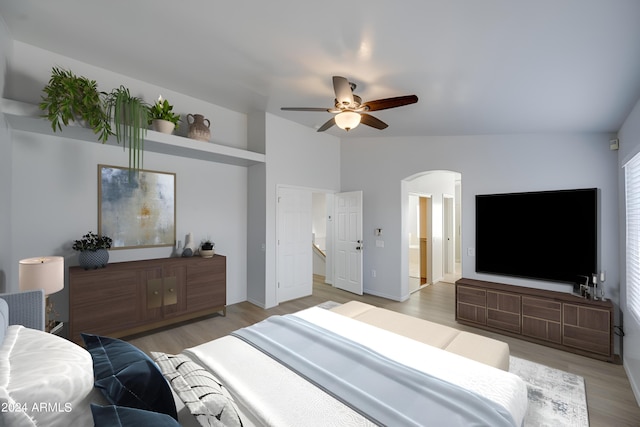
<point x="609" y="396"/>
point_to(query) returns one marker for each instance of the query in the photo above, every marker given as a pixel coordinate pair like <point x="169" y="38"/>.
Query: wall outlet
<point x="373" y="273"/>
<point x="471" y="251"/>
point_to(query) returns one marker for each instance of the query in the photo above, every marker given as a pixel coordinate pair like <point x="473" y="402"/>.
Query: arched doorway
<point x="431" y="230"/>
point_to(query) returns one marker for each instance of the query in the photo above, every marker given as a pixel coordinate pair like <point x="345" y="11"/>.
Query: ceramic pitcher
<point x="198" y="127"/>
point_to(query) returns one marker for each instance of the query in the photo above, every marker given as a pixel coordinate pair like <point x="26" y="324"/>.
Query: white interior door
<point x="348" y="241"/>
<point x="295" y="268"/>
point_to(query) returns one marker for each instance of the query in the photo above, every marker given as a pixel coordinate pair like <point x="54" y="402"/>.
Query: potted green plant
<point x="207" y="249"/>
<point x="130" y="115"/>
<point x="162" y="118"/>
<point x="93" y="250"/>
<point x="69" y="98"/>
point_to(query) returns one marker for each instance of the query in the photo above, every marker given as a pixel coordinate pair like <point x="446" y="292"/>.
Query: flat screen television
<point x="545" y="235"/>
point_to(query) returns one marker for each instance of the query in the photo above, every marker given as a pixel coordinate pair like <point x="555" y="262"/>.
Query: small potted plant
<point x="93" y="250"/>
<point x="162" y="118"/>
<point x="69" y="98"/>
<point x="207" y="249"/>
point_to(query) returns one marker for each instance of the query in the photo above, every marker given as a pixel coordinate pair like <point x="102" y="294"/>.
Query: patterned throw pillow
<point x="202" y="393"/>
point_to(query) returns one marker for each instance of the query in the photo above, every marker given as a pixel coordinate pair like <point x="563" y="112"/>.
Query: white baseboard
<point x="632" y="368"/>
<point x="383" y="295"/>
<point x="259" y="304"/>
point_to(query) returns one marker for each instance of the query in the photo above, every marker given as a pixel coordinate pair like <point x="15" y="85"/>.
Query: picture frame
<point x="136" y="208"/>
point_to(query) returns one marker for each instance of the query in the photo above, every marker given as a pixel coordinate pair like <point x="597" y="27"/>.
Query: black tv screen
<point x="546" y="235"/>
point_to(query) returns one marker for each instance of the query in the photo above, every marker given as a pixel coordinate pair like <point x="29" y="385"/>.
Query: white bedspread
<point x="500" y="386"/>
<point x="267" y="393"/>
<point x="270" y="394"/>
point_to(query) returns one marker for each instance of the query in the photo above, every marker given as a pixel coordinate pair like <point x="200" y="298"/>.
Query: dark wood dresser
<point x="555" y="319"/>
<point x="127" y="298"/>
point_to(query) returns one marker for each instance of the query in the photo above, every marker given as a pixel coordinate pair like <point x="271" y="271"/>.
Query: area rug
<point x="328" y="305"/>
<point x="556" y="398"/>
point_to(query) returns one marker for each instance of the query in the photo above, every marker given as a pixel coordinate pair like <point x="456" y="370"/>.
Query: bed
<point x="313" y="367"/>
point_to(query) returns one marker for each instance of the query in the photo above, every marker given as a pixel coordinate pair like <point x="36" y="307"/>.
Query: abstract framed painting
<point x="136" y="208"/>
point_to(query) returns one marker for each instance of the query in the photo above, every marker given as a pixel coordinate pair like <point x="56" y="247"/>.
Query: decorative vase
<point x="164" y="126"/>
<point x="189" y="247"/>
<point x="91" y="260"/>
<point x="199" y="127"/>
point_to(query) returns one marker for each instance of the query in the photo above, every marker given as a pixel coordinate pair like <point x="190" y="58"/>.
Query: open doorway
<point x="439" y="193"/>
<point x="419" y="241"/>
<point x="319" y="233"/>
<point x="304" y="240"/>
<point x="311" y="246"/>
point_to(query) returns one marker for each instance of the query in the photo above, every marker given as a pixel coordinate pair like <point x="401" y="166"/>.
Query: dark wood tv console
<point x="555" y="319"/>
<point x="127" y="298"/>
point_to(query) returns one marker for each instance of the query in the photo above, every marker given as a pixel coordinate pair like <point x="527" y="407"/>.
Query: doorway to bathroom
<point x="431" y="225"/>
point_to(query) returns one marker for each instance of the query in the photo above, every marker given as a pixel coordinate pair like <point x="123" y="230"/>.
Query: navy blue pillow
<point x="128" y="377"/>
<point x="119" y="416"/>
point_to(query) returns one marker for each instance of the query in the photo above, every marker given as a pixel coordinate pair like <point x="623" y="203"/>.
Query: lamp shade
<point x="42" y="273"/>
<point x="347" y="120"/>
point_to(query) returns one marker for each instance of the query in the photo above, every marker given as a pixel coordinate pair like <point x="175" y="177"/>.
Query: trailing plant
<point x="130" y="117"/>
<point x="69" y="97"/>
<point x="162" y="110"/>
<point x="92" y="242"/>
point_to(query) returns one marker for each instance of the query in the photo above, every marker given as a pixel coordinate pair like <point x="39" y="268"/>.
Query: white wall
<point x="53" y="195"/>
<point x="629" y="136"/>
<point x="54" y="201"/>
<point x="257" y="225"/>
<point x="5" y="166"/>
<point x="488" y="164"/>
<point x="300" y="157"/>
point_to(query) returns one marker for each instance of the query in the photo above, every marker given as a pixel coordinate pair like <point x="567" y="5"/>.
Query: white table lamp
<point x="43" y="273"/>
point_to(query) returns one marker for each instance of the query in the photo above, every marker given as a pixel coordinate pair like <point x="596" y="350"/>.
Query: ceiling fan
<point x="349" y="109"/>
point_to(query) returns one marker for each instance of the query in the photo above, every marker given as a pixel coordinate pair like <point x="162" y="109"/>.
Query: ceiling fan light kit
<point x="349" y="109"/>
<point x="347" y="120"/>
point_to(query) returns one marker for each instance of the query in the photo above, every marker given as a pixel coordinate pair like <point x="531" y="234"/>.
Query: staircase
<point x="319" y="261"/>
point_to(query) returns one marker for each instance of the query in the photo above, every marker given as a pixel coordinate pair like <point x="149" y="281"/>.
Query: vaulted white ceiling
<point x="477" y="66"/>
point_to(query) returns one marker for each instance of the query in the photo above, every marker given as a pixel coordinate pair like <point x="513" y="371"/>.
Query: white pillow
<point x="45" y="380"/>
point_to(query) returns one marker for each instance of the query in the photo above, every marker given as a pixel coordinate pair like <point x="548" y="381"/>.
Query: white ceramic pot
<point x="164" y="126"/>
<point x="207" y="253"/>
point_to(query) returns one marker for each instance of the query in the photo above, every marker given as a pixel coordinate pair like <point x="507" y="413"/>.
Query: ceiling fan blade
<point x="342" y="88"/>
<point x="383" y="104"/>
<point x="304" y="109"/>
<point x="369" y="120"/>
<point x="327" y="125"/>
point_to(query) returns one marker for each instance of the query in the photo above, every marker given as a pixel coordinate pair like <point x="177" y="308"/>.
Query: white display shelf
<point x="26" y="117"/>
